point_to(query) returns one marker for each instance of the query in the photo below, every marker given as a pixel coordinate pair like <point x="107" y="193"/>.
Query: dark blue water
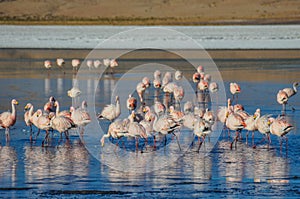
<point x="65" y="169"/>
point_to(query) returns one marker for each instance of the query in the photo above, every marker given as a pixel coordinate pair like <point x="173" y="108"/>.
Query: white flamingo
<point x="111" y="111"/>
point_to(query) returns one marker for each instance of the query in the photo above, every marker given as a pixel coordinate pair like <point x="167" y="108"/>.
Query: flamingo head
<point x="15" y="102"/>
<point x="28" y="106"/>
<point x="72" y="109"/>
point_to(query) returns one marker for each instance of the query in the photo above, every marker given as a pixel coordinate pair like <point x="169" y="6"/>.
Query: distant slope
<point x="148" y="12"/>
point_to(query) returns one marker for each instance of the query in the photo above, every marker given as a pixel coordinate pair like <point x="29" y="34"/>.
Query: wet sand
<point x="238" y="65"/>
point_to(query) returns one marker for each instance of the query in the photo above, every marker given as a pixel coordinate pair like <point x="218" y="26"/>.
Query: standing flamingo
<point x="235" y="89"/>
<point x="75" y="63"/>
<point x="42" y="122"/>
<point x="282" y="98"/>
<point x="280" y="127"/>
<point x="178" y="75"/>
<point x="89" y="64"/>
<point x="8" y="119"/>
<point x="49" y="106"/>
<point x="111" y="111"/>
<point x="27" y="115"/>
<point x="131" y="103"/>
<point x="291" y="91"/>
<point x="97" y="63"/>
<point x="140" y="89"/>
<point x="48" y="64"/>
<point x="61" y="123"/>
<point x="60" y="62"/>
<point x="80" y="117"/>
<point x="113" y="63"/>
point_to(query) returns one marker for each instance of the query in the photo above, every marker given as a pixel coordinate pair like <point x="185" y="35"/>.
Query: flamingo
<point x="75" y="63"/>
<point x="106" y="62"/>
<point x="169" y="88"/>
<point x="146" y="81"/>
<point x="291" y="91"/>
<point x="65" y="113"/>
<point x="49" y="106"/>
<point x="134" y="129"/>
<point x="263" y="126"/>
<point x="280" y="127"/>
<point x="251" y="123"/>
<point x="175" y="114"/>
<point x="48" y="64"/>
<point x="60" y="62"/>
<point x="140" y="89"/>
<point x="61" y="124"/>
<point x="201" y="130"/>
<point x="8" y="119"/>
<point x="74" y="92"/>
<point x="157" y="82"/>
<point x="131" y="103"/>
<point x="166" y="79"/>
<point x="178" y="75"/>
<point x="213" y="87"/>
<point x="111" y="111"/>
<point x="27" y="115"/>
<point x="200" y="69"/>
<point x="159" y="108"/>
<point x="235" y="89"/>
<point x="165" y="125"/>
<point x="157" y="74"/>
<point x="178" y="94"/>
<point x="42" y="122"/>
<point x="89" y="64"/>
<point x="80" y="117"/>
<point x="97" y="63"/>
<point x="209" y="117"/>
<point x="115" y="130"/>
<point x="236" y="123"/>
<point x="282" y="98"/>
<point x="113" y="63"/>
<point x="188" y="107"/>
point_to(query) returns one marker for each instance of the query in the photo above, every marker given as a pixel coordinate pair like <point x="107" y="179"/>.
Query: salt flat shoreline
<point x="44" y="53"/>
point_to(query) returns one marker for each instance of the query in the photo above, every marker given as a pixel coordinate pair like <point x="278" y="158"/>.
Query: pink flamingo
<point x="89" y="64"/>
<point x="75" y="63"/>
<point x="80" y="117"/>
<point x="113" y="63"/>
<point x="282" y="98"/>
<point x="8" y="119"/>
<point x="42" y="122"/>
<point x="235" y="89"/>
<point x="291" y="91"/>
<point x="48" y="64"/>
<point x="280" y="127"/>
<point x="131" y="103"/>
<point x="60" y="62"/>
<point x="49" y="106"/>
<point x="97" y="63"/>
<point x="140" y="89"/>
<point x="61" y="123"/>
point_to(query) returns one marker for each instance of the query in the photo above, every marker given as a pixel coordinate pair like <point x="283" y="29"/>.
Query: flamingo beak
<point x="16" y="103"/>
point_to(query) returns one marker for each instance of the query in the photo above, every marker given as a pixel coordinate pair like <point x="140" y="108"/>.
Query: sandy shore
<point x="154" y="12"/>
<point x="148" y="54"/>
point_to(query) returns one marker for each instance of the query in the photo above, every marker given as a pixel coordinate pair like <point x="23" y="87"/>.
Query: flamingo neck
<point x="118" y="107"/>
<point x="31" y="111"/>
<point x="13" y="110"/>
<point x="57" y="109"/>
<point x="295" y="88"/>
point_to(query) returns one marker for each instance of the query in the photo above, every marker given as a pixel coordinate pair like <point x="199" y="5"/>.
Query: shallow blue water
<point x="66" y="169"/>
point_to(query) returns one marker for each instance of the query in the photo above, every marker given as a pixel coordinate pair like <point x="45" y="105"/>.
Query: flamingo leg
<point x="201" y="144"/>
<point x="263" y="139"/>
<point x="235" y="139"/>
<point x="45" y="139"/>
<point x="177" y="141"/>
<point x="7" y="134"/>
